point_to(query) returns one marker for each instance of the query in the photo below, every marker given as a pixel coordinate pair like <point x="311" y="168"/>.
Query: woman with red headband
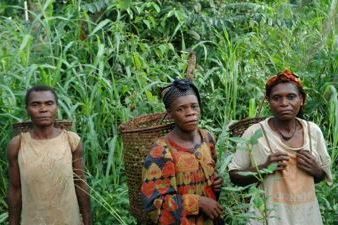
<point x="297" y="148"/>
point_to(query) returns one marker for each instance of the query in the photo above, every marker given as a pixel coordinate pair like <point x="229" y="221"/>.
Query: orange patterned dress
<point x="175" y="177"/>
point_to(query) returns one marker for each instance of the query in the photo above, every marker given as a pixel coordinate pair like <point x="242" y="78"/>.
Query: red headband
<point x="286" y="75"/>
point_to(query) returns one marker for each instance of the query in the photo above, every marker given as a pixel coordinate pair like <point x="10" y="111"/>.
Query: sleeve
<point x="159" y="190"/>
<point x="241" y="158"/>
<point x="320" y="147"/>
<point x="73" y="139"/>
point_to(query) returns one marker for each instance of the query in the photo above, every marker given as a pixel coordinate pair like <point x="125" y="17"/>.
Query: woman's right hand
<point x="210" y="207"/>
<point x="279" y="158"/>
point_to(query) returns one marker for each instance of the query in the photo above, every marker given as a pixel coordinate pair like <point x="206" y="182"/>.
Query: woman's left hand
<point x="217" y="184"/>
<point x="307" y="163"/>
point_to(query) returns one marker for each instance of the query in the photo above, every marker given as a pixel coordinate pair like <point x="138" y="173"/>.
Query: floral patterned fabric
<point x="175" y="177"/>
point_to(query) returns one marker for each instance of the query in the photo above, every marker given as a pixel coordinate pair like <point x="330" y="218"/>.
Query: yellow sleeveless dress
<point x="47" y="184"/>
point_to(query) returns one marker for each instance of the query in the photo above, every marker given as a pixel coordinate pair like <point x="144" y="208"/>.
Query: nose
<point x="191" y="112"/>
<point x="284" y="102"/>
<point x="42" y="108"/>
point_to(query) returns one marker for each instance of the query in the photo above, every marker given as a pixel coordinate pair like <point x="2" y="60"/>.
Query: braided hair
<point x="179" y="87"/>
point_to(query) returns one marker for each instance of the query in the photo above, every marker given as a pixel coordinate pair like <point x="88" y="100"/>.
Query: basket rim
<point x="237" y="123"/>
<point x="146" y="128"/>
<point x="28" y="122"/>
<point x="124" y="126"/>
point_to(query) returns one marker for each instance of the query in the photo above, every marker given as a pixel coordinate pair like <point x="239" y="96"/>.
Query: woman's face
<point x="185" y="111"/>
<point x="285" y="101"/>
<point x="42" y="108"/>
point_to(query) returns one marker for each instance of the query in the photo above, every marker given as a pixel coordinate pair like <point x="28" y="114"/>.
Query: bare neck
<point x="45" y="132"/>
<point x="286" y="125"/>
<point x="186" y="137"/>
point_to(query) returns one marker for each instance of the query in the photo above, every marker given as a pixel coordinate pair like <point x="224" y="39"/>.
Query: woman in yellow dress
<point x="47" y="185"/>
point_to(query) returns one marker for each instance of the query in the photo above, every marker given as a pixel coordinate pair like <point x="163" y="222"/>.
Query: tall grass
<point x="107" y="60"/>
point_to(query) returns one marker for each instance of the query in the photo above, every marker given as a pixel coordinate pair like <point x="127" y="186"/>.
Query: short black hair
<point x="39" y="88"/>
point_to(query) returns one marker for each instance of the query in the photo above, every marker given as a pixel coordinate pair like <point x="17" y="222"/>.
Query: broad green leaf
<point x="26" y="39"/>
<point x="254" y="138"/>
<point x="123" y="4"/>
<point x="100" y="26"/>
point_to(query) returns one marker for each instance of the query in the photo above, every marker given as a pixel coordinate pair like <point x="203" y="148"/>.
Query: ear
<point x="58" y="112"/>
<point x="302" y="100"/>
<point x="28" y="114"/>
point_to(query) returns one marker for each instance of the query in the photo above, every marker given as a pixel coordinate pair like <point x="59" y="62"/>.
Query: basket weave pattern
<point x="138" y="136"/>
<point x="238" y="128"/>
<point x="27" y="125"/>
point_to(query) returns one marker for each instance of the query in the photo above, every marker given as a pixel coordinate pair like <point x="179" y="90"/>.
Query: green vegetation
<point x="107" y="59"/>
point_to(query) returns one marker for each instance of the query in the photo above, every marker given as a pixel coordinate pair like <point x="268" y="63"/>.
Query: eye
<point x="34" y="104"/>
<point x="179" y="110"/>
<point x="275" y="98"/>
<point x="292" y="96"/>
<point x="195" y="106"/>
<point x="50" y="103"/>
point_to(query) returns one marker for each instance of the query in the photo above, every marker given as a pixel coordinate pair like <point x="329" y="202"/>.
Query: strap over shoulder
<point x="265" y="136"/>
<point x="309" y="135"/>
<point x="20" y="140"/>
<point x="207" y="136"/>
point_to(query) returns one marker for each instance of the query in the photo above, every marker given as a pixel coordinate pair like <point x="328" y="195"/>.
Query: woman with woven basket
<point x="180" y="181"/>
<point x="47" y="185"/>
<point x="293" y="148"/>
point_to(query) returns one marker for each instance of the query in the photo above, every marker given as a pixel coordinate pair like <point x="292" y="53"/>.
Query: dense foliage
<point x="107" y="59"/>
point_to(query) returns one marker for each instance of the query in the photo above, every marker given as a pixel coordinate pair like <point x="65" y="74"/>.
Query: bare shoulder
<point x="13" y="147"/>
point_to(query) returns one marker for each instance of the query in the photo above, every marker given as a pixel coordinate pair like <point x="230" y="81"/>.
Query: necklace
<point x="195" y="149"/>
<point x="284" y="137"/>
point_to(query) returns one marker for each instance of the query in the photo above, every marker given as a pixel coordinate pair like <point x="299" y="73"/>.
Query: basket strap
<point x="20" y="139"/>
<point x="260" y="107"/>
<point x="205" y="136"/>
<point x="163" y="118"/>
<point x="266" y="137"/>
<point x="309" y="134"/>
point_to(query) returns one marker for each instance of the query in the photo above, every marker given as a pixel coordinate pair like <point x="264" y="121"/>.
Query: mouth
<point x="43" y="118"/>
<point x="285" y="112"/>
<point x="192" y="122"/>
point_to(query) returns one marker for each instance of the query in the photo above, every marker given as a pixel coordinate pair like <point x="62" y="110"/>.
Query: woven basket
<point x="138" y="136"/>
<point x="238" y="128"/>
<point x="27" y="125"/>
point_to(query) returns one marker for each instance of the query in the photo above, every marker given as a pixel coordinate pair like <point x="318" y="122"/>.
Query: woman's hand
<point x="279" y="158"/>
<point x="307" y="163"/>
<point x="210" y="207"/>
<point x="217" y="184"/>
